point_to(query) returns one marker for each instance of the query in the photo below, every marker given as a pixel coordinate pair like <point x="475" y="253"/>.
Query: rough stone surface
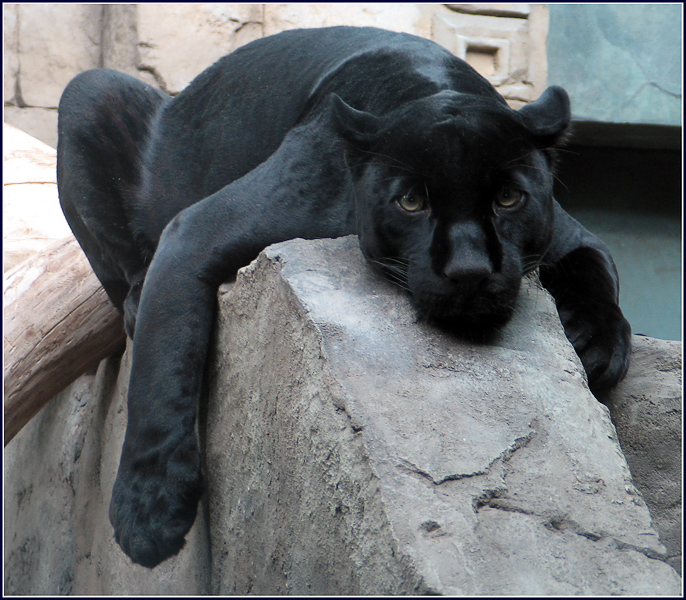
<point x="167" y="45"/>
<point x="59" y="472"/>
<point x="56" y="41"/>
<point x="40" y="123"/>
<point x="120" y="38"/>
<point x="351" y="450"/>
<point x="475" y="39"/>
<point x="647" y="412"/>
<point x="10" y="57"/>
<point x="32" y="217"/>
<point x="409" y="18"/>
<point x="176" y="42"/>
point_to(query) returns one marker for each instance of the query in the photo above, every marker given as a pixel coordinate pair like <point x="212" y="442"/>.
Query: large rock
<point x="647" y="410"/>
<point x="354" y="450"/>
<point x="351" y="450"/>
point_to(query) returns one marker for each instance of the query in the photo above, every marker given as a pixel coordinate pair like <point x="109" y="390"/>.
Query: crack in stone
<point x="520" y="442"/>
<point x="245" y="24"/>
<point x="644" y="85"/>
<point x="18" y="98"/>
<point x="664" y="90"/>
<point x="353" y="423"/>
<point x="561" y="523"/>
<point x="486" y="498"/>
<point x="504" y="456"/>
<point x="635" y="60"/>
<point x="24" y="105"/>
<point x="496" y="499"/>
<point x="156" y="75"/>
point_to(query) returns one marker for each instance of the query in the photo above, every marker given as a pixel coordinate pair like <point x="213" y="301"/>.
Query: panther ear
<point x="355" y="126"/>
<point x="548" y="117"/>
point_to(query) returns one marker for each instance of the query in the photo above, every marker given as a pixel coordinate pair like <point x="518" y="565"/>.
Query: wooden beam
<point x="58" y="324"/>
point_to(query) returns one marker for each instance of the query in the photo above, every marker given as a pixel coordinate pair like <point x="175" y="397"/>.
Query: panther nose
<point x="469" y="277"/>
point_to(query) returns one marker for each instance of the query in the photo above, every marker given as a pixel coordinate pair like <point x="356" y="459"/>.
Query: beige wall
<point x="169" y="44"/>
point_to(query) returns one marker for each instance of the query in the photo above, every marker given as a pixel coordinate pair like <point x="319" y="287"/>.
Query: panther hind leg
<point x="105" y="120"/>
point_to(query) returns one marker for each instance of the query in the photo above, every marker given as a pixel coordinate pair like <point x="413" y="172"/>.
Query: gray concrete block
<point x="56" y="42"/>
<point x="10" y="56"/>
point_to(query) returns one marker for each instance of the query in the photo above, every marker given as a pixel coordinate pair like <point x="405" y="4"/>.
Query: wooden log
<point x="58" y="324"/>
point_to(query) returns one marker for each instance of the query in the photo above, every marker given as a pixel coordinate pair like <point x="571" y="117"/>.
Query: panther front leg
<point x="301" y="191"/>
<point x="579" y="272"/>
<point x="159" y="483"/>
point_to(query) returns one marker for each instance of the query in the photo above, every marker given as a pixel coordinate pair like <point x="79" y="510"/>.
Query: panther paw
<point x="601" y="337"/>
<point x="152" y="509"/>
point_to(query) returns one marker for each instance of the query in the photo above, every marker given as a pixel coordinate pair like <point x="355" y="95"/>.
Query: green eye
<point x="509" y="197"/>
<point x="411" y="203"/>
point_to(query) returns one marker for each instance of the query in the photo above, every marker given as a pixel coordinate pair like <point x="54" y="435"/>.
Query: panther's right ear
<point x="548" y="118"/>
<point x="355" y="126"/>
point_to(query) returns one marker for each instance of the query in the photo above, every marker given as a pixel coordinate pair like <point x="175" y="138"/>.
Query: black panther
<point x="311" y="133"/>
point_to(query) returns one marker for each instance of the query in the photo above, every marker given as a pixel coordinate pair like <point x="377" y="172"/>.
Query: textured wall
<point x="622" y="66"/>
<point x="168" y="44"/>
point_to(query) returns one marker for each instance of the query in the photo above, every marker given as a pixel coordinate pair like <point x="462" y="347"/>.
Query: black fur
<point x="311" y="133"/>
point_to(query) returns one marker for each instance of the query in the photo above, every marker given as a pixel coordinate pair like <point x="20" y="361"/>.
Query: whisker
<point x="515" y="163"/>
<point x="398" y="261"/>
<point x="397" y="282"/>
<point x="568" y="151"/>
<point x="394" y="269"/>
<point x="509" y="162"/>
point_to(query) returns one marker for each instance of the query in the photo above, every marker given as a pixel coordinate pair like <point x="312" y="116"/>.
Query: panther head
<point x="454" y="197"/>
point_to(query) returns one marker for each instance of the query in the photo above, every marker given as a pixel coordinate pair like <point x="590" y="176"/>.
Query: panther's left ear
<point x="355" y="126"/>
<point x="548" y="117"/>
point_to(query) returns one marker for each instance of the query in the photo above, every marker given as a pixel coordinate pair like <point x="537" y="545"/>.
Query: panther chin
<point x="476" y="319"/>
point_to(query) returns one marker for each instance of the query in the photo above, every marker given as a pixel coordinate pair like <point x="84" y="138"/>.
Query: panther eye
<point x="412" y="203"/>
<point x="509" y="197"/>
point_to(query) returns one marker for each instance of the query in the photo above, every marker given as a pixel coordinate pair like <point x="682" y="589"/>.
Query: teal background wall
<point x="620" y="63"/>
<point x="622" y="174"/>
<point x="630" y="198"/>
